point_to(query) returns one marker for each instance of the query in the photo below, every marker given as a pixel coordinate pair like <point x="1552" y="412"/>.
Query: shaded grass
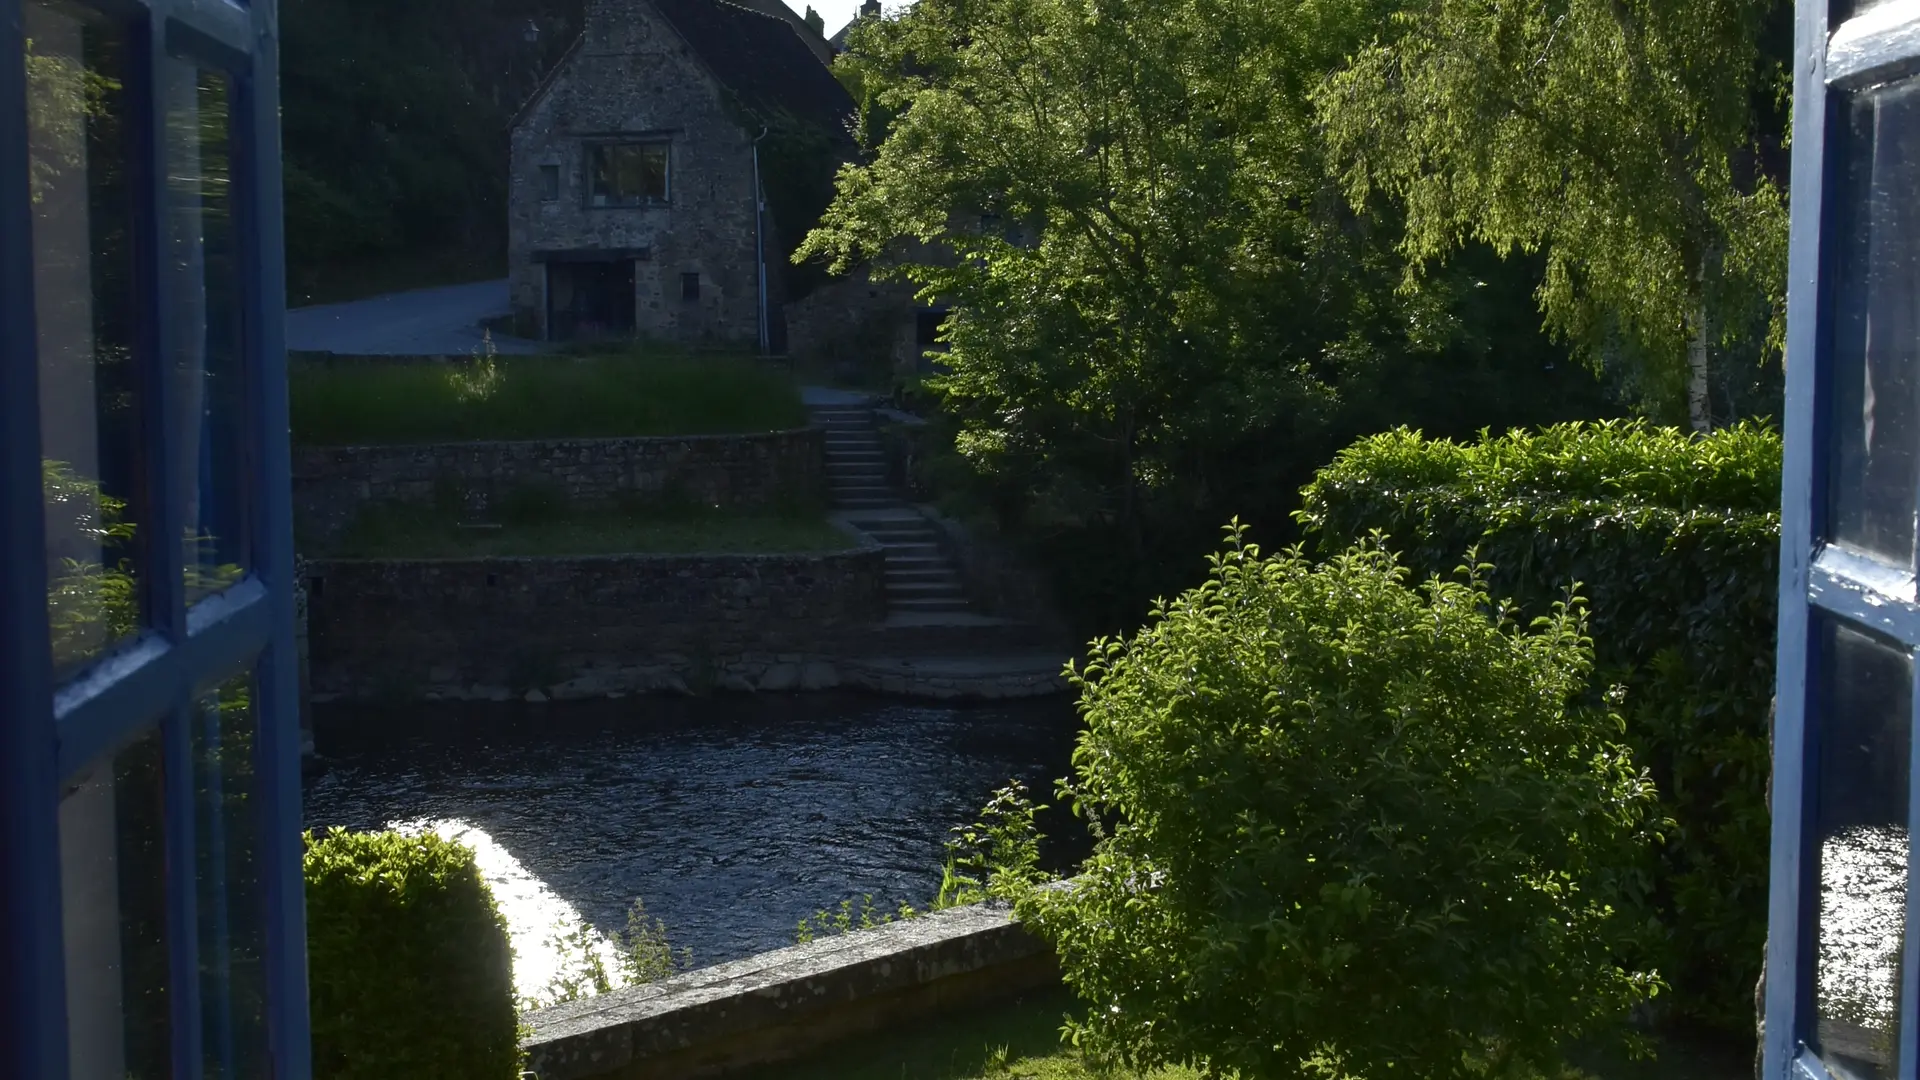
<point x="534" y="397"/>
<point x="386" y="532"/>
<point x="374" y="275"/>
<point x="1020" y="1040"/>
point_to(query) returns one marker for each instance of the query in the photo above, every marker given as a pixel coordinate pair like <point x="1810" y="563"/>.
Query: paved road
<point x="440" y="321"/>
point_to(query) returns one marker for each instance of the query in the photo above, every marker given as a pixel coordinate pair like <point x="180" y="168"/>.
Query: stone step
<point x="934" y="575"/>
<point x="927" y="603"/>
<point x="835" y="457"/>
<point x="841" y="441"/>
<point x="838" y="469"/>
<point x="903" y="589"/>
<point x="903" y="536"/>
<point x="863" y="503"/>
<point x="916" y="562"/>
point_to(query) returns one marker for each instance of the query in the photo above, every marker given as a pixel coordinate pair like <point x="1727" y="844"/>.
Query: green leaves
<point x="1636" y="144"/>
<point x="1353" y="821"/>
<point x="410" y="972"/>
<point x="1675" y="539"/>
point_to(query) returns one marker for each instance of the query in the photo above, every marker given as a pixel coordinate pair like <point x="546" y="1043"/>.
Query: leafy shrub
<point x="1675" y="541"/>
<point x="410" y="972"/>
<point x="1350" y="829"/>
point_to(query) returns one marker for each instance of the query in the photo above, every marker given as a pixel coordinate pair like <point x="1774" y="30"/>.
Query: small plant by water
<point x="595" y="965"/>
<point x="993" y="857"/>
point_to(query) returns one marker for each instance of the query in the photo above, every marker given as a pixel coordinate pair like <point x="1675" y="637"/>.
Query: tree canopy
<point x="1635" y="143"/>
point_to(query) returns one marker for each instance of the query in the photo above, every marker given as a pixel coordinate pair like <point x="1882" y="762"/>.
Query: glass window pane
<point x="203" y="299"/>
<point x="1863" y="740"/>
<point x="1875" y="388"/>
<point x="230" y="905"/>
<point x="78" y="134"/>
<point x="656" y="165"/>
<point x="113" y="907"/>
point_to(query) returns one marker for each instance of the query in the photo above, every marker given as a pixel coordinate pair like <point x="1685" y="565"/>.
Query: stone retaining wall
<point x="585" y="627"/>
<point x="780" y="1005"/>
<point x="779" y="468"/>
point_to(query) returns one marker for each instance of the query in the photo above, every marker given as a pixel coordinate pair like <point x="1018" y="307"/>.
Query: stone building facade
<point x="631" y="198"/>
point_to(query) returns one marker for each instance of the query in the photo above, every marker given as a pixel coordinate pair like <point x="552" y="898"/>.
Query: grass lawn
<point x="1020" y="1041"/>
<point x="424" y="533"/>
<point x="357" y="279"/>
<point x="536" y="397"/>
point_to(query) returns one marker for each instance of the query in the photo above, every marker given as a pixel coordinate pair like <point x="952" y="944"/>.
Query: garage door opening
<point x="590" y="300"/>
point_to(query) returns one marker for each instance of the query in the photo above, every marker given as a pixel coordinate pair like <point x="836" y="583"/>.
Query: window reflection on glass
<point x="77" y="145"/>
<point x="627" y="174"/>
<point x="202" y="296"/>
<point x="113" y="912"/>
<point x="1876" y="391"/>
<point x="1862" y="806"/>
<point x="233" y="989"/>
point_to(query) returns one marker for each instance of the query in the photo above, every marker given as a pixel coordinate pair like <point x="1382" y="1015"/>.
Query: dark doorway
<point x="587" y="300"/>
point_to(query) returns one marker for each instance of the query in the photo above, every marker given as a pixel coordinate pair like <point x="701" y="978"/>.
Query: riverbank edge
<point x="781" y="1005"/>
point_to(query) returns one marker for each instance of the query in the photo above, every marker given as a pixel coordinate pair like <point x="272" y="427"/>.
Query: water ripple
<point x="733" y="818"/>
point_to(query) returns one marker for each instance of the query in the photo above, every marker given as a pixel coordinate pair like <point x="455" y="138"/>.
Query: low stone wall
<point x="585" y="627"/>
<point x="779" y="468"/>
<point x="780" y="1005"/>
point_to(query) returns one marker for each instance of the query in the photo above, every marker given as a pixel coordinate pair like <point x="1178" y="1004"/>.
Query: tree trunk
<point x="1698" y="411"/>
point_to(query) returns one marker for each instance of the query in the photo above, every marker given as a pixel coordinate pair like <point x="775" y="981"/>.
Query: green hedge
<point x="409" y="969"/>
<point x="1674" y="540"/>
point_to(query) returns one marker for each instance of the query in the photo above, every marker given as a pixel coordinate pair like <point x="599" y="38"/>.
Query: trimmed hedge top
<point x="1736" y="468"/>
<point x="1674" y="540"/>
<point x="410" y="970"/>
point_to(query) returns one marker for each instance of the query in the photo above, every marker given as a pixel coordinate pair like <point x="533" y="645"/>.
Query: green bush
<point x="1674" y="540"/>
<point x="1351" y="829"/>
<point x="409" y="968"/>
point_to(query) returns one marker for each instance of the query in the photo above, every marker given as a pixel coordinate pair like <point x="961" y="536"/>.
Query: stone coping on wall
<point x="780" y="1005"/>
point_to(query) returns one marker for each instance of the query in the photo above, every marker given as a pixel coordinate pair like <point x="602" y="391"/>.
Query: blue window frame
<point x="151" y="909"/>
<point x="1841" y="988"/>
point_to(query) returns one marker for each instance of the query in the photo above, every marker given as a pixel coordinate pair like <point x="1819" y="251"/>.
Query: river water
<point x="733" y="817"/>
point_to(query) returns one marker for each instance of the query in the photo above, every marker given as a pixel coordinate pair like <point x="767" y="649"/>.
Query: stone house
<point x="635" y="173"/>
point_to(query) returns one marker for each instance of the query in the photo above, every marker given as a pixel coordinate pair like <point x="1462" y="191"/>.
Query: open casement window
<point x="151" y="915"/>
<point x="1841" y="964"/>
<point x="626" y="173"/>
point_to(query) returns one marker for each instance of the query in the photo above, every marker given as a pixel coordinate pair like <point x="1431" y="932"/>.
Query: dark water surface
<point x="732" y="817"/>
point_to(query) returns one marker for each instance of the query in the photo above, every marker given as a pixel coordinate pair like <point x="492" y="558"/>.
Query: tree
<point x="1635" y="142"/>
<point x="1125" y="205"/>
<point x="1351" y="829"/>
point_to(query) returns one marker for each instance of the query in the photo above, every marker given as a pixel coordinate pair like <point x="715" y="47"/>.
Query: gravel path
<point x="440" y="321"/>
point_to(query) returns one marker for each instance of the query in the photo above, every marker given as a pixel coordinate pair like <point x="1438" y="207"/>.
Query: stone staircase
<point x="920" y="578"/>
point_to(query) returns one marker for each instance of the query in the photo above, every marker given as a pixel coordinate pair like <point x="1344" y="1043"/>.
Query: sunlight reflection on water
<point x="731" y="818"/>
<point x="549" y="936"/>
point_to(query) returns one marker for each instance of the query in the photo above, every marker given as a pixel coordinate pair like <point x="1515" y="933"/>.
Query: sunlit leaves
<point x="1356" y="828"/>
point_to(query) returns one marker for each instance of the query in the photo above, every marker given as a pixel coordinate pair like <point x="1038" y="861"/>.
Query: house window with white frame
<point x="627" y="173"/>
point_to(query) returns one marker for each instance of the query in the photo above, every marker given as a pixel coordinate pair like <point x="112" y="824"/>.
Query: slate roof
<point x="759" y="57"/>
<point x="762" y="59"/>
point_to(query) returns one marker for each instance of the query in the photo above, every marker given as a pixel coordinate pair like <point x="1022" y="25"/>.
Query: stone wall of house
<point x="772" y="470"/>
<point x="854" y="322"/>
<point x="582" y="627"/>
<point x="632" y="76"/>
